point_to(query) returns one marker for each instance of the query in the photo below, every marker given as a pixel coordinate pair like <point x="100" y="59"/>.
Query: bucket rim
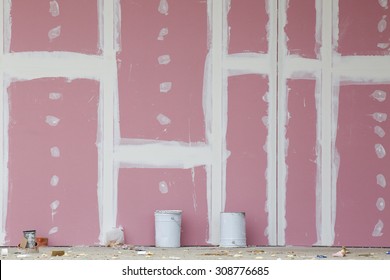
<point x="168" y="211"/>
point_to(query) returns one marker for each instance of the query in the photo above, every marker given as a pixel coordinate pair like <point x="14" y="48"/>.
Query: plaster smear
<point x="53" y="230"/>
<point x="163" y="120"/>
<point x="383" y="3"/>
<point x="377" y="232"/>
<point x="163" y="7"/>
<point x="55" y="95"/>
<point x="381" y="180"/>
<point x="54" y="8"/>
<point x="380" y="117"/>
<point x="379" y="95"/>
<point x="55" y="152"/>
<point x="164" y="59"/>
<point x="380" y="151"/>
<point x="379" y="131"/>
<point x="382" y="24"/>
<point x="162" y="34"/>
<point x="380" y="204"/>
<point x="54" y="206"/>
<point x="54" y="33"/>
<point x="52" y="120"/>
<point x="383" y="46"/>
<point x="165" y="87"/>
<point x="54" y="180"/>
<point x="163" y="187"/>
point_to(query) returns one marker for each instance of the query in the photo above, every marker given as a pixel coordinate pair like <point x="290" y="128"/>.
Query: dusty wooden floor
<point x="126" y="252"/>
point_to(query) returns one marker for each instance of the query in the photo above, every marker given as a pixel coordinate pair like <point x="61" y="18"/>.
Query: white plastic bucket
<point x="233" y="233"/>
<point x="167" y="228"/>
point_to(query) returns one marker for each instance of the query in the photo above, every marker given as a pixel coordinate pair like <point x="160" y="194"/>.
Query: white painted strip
<point x="3" y="129"/>
<point x="271" y="231"/>
<point x="6" y="27"/>
<point x="363" y="69"/>
<point x="105" y="140"/>
<point x="301" y="68"/>
<point x="32" y="65"/>
<point x="282" y="123"/>
<point x="162" y="154"/>
<point x="247" y="63"/>
<point x="215" y="138"/>
<point x="327" y="230"/>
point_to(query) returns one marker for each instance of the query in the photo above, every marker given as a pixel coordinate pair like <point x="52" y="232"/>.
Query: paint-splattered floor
<point x="197" y="253"/>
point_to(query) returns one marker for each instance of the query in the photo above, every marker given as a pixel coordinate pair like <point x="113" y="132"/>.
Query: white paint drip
<point x="380" y="117"/>
<point x="380" y="204"/>
<point x="55" y="95"/>
<point x="377" y="232"/>
<point x="164" y="59"/>
<point x="379" y="95"/>
<point x="55" y="152"/>
<point x="163" y="119"/>
<point x="54" y="180"/>
<point x="54" y="33"/>
<point x="53" y="230"/>
<point x="163" y="33"/>
<point x="383" y="3"/>
<point x="381" y="180"/>
<point x="54" y="8"/>
<point x="52" y="120"/>
<point x="379" y="131"/>
<point x="382" y="24"/>
<point x="380" y="151"/>
<point x="165" y="87"/>
<point x="163" y="7"/>
<point x="163" y="187"/>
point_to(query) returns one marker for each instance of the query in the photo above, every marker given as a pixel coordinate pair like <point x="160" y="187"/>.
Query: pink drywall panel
<point x="301" y="28"/>
<point x="301" y="162"/>
<point x="247" y="163"/>
<point x="53" y="160"/>
<point x="143" y="191"/>
<point x="166" y="50"/>
<point x="363" y="28"/>
<point x="43" y="25"/>
<point x="247" y="20"/>
<point x="362" y="218"/>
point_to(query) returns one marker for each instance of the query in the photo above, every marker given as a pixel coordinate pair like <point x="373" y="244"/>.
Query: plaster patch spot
<point x="54" y="8"/>
<point x="382" y="24"/>
<point x="53" y="230"/>
<point x="55" y="95"/>
<point x="54" y="33"/>
<point x="165" y="87"/>
<point x="381" y="180"/>
<point x="54" y="205"/>
<point x="163" y="120"/>
<point x="383" y="46"/>
<point x="54" y="180"/>
<point x="380" y="151"/>
<point x="163" y="32"/>
<point x="379" y="95"/>
<point x="164" y="59"/>
<point x="379" y="131"/>
<point x="52" y="121"/>
<point x="163" y="7"/>
<point x="380" y="204"/>
<point x="163" y="187"/>
<point x="384" y="3"/>
<point x="55" y="152"/>
<point x="377" y="232"/>
<point x="380" y="117"/>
